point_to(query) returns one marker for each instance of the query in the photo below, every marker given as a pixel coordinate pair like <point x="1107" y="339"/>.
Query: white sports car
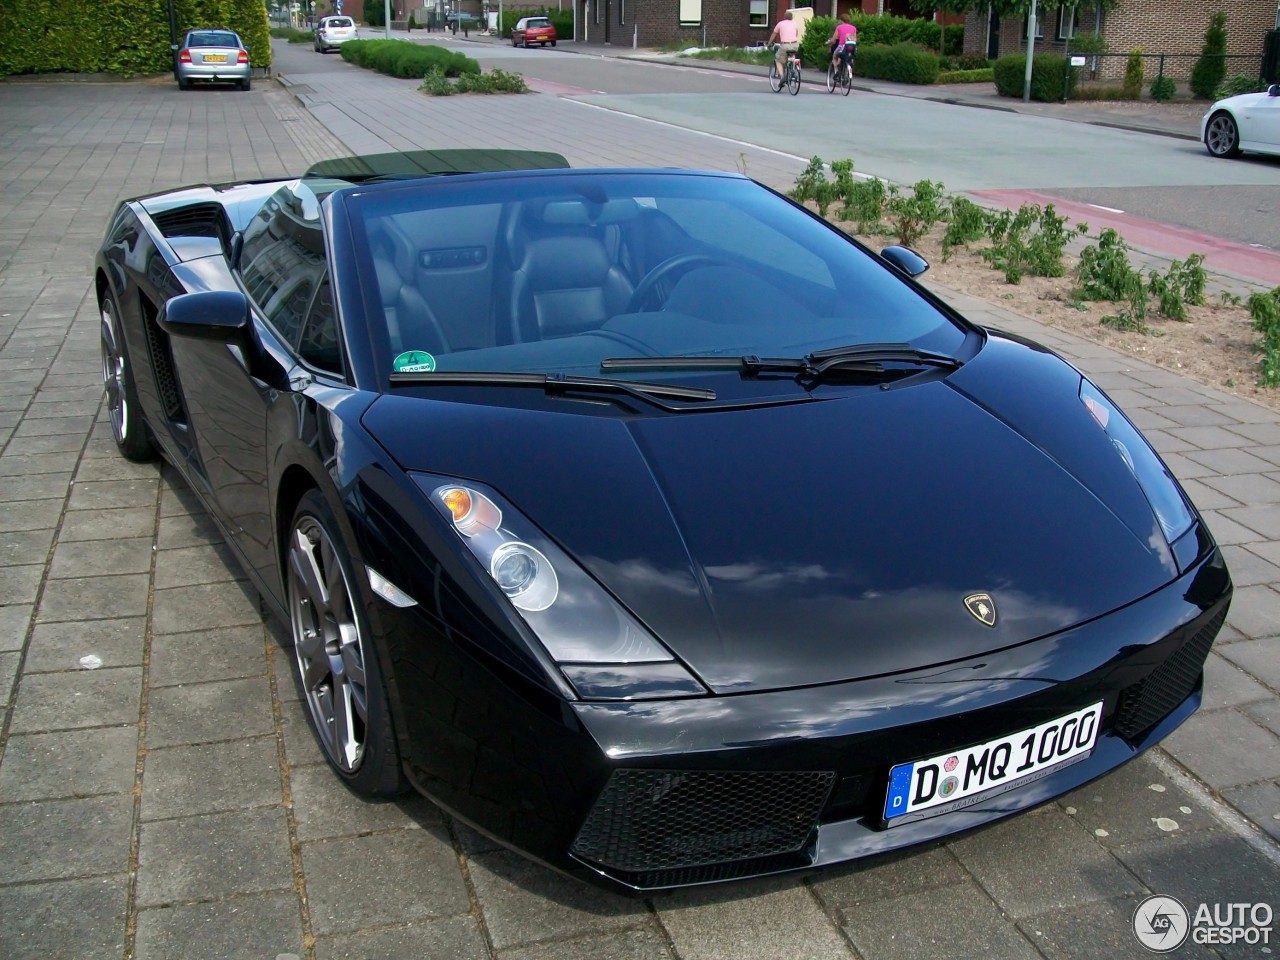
<point x="1250" y="122"/>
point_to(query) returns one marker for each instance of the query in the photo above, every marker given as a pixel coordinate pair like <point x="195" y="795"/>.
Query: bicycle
<point x="789" y="78"/>
<point x="840" y="70"/>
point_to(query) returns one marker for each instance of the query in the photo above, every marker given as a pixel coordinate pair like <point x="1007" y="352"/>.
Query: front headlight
<point x="1161" y="490"/>
<point x="581" y="626"/>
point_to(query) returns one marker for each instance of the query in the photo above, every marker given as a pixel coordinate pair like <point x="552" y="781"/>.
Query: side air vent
<point x="194" y="220"/>
<point x="162" y="364"/>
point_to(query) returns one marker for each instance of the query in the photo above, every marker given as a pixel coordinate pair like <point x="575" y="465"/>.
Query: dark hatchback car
<point x="645" y="521"/>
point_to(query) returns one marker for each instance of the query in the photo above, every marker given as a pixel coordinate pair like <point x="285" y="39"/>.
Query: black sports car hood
<point x="825" y="541"/>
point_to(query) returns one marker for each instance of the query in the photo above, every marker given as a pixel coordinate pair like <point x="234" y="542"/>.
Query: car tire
<point x="335" y="657"/>
<point x="184" y="84"/>
<point x="246" y="84"/>
<point x="1222" y="135"/>
<point x="553" y="43"/>
<point x="128" y="426"/>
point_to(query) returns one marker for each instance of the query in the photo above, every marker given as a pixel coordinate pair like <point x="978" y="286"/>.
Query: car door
<point x="1266" y="122"/>
<point x="234" y="391"/>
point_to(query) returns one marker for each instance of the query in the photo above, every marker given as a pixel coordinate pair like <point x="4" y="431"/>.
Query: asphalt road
<point x="903" y="139"/>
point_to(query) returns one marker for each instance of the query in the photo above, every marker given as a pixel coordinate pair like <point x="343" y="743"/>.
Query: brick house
<point x="744" y="23"/>
<point x="1171" y="27"/>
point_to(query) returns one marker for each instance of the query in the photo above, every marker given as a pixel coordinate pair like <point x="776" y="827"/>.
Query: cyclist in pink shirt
<point x="844" y="41"/>
<point x="787" y="35"/>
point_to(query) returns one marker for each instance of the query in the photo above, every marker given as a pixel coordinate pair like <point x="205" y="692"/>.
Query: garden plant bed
<point x="1215" y="345"/>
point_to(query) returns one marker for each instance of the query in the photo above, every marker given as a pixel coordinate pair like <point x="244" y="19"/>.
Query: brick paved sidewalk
<point x="170" y="802"/>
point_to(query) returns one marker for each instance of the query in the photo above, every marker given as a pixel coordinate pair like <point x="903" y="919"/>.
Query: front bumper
<point x="651" y="795"/>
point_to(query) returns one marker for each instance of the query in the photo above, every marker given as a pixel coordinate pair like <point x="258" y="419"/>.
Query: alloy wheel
<point x="114" y="374"/>
<point x="1221" y="137"/>
<point x="328" y="644"/>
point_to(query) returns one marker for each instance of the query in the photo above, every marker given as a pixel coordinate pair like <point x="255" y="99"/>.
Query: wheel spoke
<point x="302" y="559"/>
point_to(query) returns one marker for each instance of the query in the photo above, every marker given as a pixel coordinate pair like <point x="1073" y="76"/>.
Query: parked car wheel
<point x="1222" y="136"/>
<point x="337" y="664"/>
<point x="246" y="84"/>
<point x="128" y="427"/>
<point x="184" y="84"/>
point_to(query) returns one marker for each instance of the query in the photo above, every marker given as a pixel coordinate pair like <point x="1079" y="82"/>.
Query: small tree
<point x="1212" y="65"/>
<point x="1133" y="75"/>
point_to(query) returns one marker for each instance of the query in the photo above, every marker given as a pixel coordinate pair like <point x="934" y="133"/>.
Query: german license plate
<point x="951" y="781"/>
<point x="215" y="58"/>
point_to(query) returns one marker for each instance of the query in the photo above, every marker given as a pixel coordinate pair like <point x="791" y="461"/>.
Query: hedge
<point x="125" y="37"/>
<point x="886" y="29"/>
<point x="404" y="58"/>
<point x="902" y="62"/>
<point x="1049" y="74"/>
<point x="985" y="75"/>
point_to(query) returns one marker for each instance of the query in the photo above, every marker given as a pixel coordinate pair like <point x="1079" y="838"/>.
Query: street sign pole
<point x="386" y="13"/>
<point x="1031" y="52"/>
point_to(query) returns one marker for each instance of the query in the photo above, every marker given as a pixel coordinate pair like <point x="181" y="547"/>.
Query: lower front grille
<point x="674" y="820"/>
<point x="1146" y="703"/>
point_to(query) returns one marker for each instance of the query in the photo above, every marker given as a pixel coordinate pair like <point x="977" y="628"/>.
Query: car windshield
<point x="212" y="38"/>
<point x="338" y="22"/>
<point x="537" y="22"/>
<point x="554" y="272"/>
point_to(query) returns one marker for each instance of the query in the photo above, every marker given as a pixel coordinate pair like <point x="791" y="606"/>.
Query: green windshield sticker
<point x="414" y="361"/>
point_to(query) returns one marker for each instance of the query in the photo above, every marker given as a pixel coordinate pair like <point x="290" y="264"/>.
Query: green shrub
<point x="761" y="56"/>
<point x="1104" y="271"/>
<point x="1099" y="91"/>
<point x="864" y="205"/>
<point x="292" y="35"/>
<point x="966" y="223"/>
<point x="1240" y="83"/>
<point x="1133" y="74"/>
<point x="1264" y="309"/>
<point x="1050" y="79"/>
<point x="984" y="75"/>
<point x="404" y="58"/>
<point x="1088" y="42"/>
<point x="813" y="45"/>
<point x="1211" y="68"/>
<point x="1183" y="284"/>
<point x="912" y="216"/>
<point x="903" y="63"/>
<point x="1163" y="88"/>
<point x="436" y="83"/>
<point x="886" y="30"/>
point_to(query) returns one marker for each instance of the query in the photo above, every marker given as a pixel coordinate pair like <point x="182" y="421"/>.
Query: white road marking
<point x="1098" y="206"/>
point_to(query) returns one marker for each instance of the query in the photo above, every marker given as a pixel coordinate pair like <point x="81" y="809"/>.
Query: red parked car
<point x="531" y="30"/>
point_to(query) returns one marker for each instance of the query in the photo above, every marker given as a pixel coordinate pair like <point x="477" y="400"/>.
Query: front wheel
<point x="128" y="427"/>
<point x="1222" y="136"/>
<point x="832" y="74"/>
<point x="793" y="79"/>
<point x="333" y="647"/>
<point x="775" y="78"/>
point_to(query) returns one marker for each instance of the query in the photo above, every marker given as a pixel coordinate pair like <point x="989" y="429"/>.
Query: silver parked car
<point x="213" y="55"/>
<point x="332" y="32"/>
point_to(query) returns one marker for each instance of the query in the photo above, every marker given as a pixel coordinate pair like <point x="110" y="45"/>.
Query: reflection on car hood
<point x="819" y="542"/>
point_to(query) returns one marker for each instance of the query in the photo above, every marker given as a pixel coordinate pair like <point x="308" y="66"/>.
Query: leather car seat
<point x="563" y="280"/>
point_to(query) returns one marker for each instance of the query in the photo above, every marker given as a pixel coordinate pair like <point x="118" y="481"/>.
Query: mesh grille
<point x="197" y="220"/>
<point x="1146" y="703"/>
<point x="162" y="365"/>
<point x="661" y="820"/>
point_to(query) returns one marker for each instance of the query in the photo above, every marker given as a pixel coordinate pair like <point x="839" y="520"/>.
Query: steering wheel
<point x="680" y="263"/>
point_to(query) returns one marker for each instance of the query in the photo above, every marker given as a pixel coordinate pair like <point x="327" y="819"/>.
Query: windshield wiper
<point x="561" y="383"/>
<point x="860" y="358"/>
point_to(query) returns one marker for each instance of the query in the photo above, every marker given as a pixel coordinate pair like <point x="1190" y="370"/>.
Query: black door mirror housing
<point x="219" y="315"/>
<point x="905" y="259"/>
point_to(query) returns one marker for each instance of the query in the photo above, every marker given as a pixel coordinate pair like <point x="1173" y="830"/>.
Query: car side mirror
<point x="1273" y="90"/>
<point x="219" y="315"/>
<point x="905" y="259"/>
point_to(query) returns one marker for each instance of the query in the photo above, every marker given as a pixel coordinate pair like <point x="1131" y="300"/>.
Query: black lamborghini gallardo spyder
<point x="648" y="523"/>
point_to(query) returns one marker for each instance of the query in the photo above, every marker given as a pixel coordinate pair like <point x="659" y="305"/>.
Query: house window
<point x="758" y="16"/>
<point x="690" y="11"/>
<point x="1066" y="23"/>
